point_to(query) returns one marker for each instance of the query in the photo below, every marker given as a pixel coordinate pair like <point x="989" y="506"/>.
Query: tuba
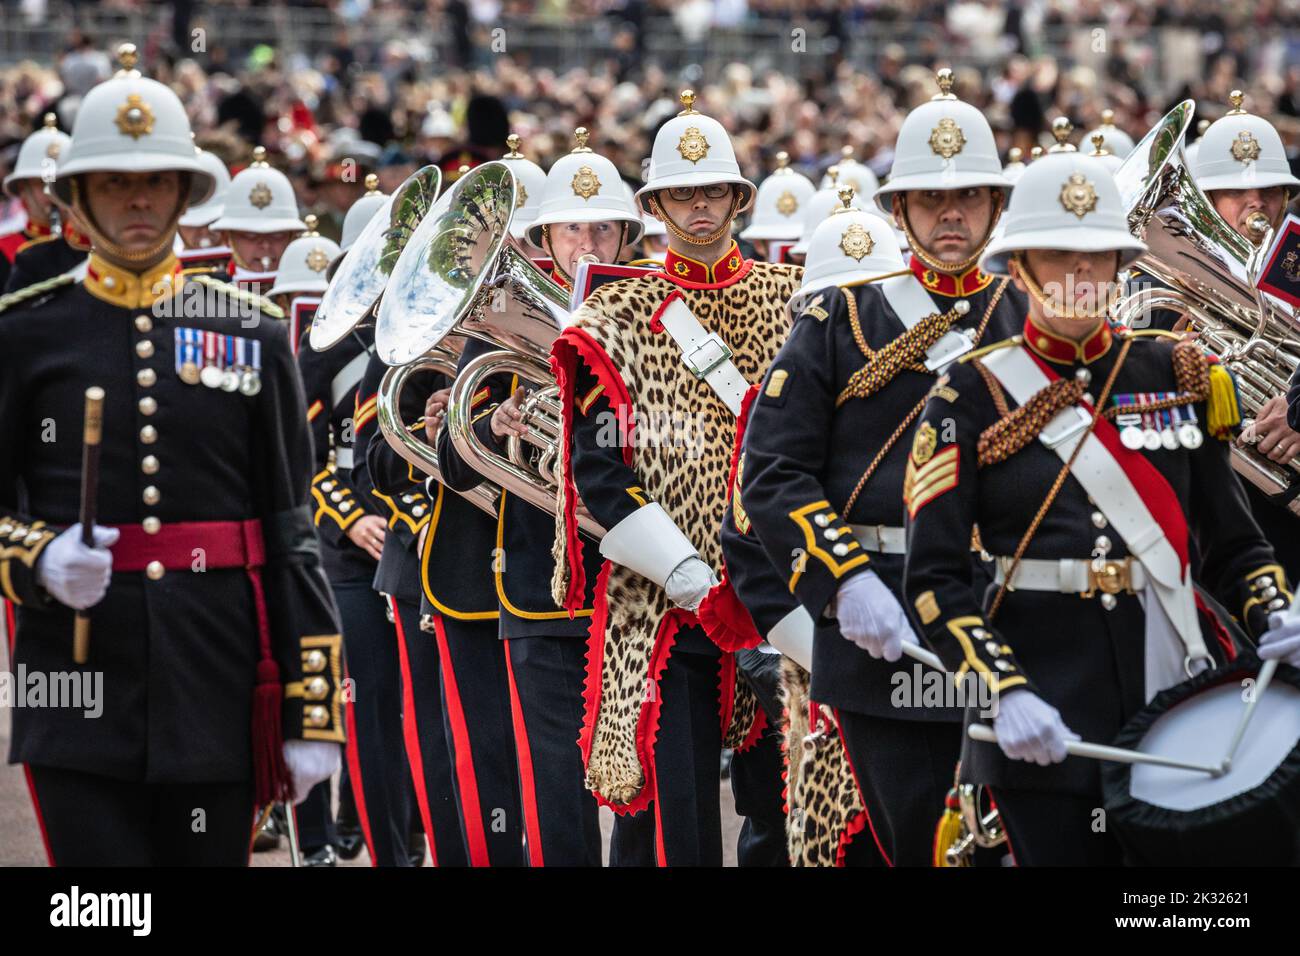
<point x="460" y="278"/>
<point x="1210" y="270"/>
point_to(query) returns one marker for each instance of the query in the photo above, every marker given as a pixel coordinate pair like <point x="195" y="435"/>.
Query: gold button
<point x="155" y="570"/>
<point x="151" y="495"/>
<point x="143" y="323"/>
<point x="151" y="525"/>
<point x="316" y="688"/>
<point x="144" y="348"/>
<point x="148" y="434"/>
<point x="316" y="716"/>
<point x="313" y="661"/>
<point x="109" y="282"/>
<point x="148" y="405"/>
<point x="146" y="377"/>
<point x="149" y="465"/>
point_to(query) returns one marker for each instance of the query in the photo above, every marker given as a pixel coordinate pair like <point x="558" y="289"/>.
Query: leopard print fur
<point x="685" y="470"/>
<point x="821" y="795"/>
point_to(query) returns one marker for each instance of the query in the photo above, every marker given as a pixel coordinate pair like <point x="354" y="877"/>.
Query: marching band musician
<point x="778" y="208"/>
<point x="827" y="449"/>
<point x="1039" y="442"/>
<point x="651" y="374"/>
<point x="36" y="164"/>
<point x="258" y="220"/>
<point x="204" y="250"/>
<point x="205" y="467"/>
<point x="583" y="212"/>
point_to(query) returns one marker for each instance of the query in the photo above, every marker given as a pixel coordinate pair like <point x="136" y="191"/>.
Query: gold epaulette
<point x="981" y="352"/>
<point x="35" y="289"/>
<point x="263" y="304"/>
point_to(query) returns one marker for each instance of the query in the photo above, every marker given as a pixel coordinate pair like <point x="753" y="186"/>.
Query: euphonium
<point x="1210" y="270"/>
<point x="460" y="277"/>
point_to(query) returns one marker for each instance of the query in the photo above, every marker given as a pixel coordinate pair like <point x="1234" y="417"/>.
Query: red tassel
<point x="271" y="782"/>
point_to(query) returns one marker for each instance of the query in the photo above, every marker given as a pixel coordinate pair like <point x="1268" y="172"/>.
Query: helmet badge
<point x="135" y="117"/>
<point x="856" y="242"/>
<point x="947" y="139"/>
<point x="260" y="195"/>
<point x="585" y="182"/>
<point x="787" y="204"/>
<point x="1245" y="148"/>
<point x="318" y="259"/>
<point x="1078" y="195"/>
<point x="693" y="146"/>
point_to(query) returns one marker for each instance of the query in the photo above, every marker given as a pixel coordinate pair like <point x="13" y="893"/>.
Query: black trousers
<point x="478" y="729"/>
<point x="90" y="820"/>
<point x="425" y="735"/>
<point x="1056" y="829"/>
<point x="381" y="783"/>
<point x="757" y="785"/>
<point x="561" y="817"/>
<point x="904" y="770"/>
<point x="315" y="818"/>
<point x="683" y="825"/>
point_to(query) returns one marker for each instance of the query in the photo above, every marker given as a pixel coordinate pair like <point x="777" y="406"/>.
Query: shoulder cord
<point x="1060" y="481"/>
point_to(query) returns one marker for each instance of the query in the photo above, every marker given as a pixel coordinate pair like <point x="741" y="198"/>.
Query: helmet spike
<point x="945" y="79"/>
<point x="688" y="101"/>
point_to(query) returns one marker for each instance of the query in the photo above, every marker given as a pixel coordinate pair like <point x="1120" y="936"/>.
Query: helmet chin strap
<point x="1048" y="305"/>
<point x="938" y="265"/>
<point x="685" y="236"/>
<point x="118" y="254"/>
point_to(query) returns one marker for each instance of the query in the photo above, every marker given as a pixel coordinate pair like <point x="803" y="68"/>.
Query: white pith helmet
<point x="850" y="245"/>
<point x="821" y="205"/>
<point x="259" y="199"/>
<point x="38" y="157"/>
<point x="1242" y="151"/>
<point x="584" y="186"/>
<point x="531" y="182"/>
<point x="131" y="124"/>
<point x="361" y="212"/>
<point x="1114" y="139"/>
<point x="1065" y="200"/>
<point x="781" y="199"/>
<point x="210" y="211"/>
<point x="943" y="144"/>
<point x="303" y="265"/>
<point x="692" y="149"/>
<point x="853" y="173"/>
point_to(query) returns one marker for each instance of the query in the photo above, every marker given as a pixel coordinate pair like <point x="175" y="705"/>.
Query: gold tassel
<point x="1222" y="409"/>
<point x="949" y="830"/>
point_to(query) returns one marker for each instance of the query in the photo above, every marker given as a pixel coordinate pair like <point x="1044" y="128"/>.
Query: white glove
<point x="74" y="574"/>
<point x="1029" y="728"/>
<point x="1282" y="639"/>
<point x="689" y="582"/>
<point x="871" y="617"/>
<point x="310" y="762"/>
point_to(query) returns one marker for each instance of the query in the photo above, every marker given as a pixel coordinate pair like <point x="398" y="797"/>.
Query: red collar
<point x="1052" y="347"/>
<point x="75" y="239"/>
<point x="945" y="283"/>
<point x="35" y="231"/>
<point x="560" y="279"/>
<point x="693" y="270"/>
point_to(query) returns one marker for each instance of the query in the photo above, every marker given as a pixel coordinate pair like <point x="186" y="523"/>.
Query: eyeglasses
<point x="711" y="191"/>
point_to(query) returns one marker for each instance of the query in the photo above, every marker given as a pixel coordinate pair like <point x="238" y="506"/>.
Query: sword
<point x="295" y="854"/>
<point x="92" y="436"/>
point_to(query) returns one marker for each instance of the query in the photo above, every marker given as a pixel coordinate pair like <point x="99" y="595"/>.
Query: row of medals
<point x="246" y="381"/>
<point x="1138" y="431"/>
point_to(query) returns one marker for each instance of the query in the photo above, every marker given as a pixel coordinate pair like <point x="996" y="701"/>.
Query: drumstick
<point x="1075" y="748"/>
<point x="1081" y="748"/>
<point x="93" y="433"/>
<point x="1265" y="677"/>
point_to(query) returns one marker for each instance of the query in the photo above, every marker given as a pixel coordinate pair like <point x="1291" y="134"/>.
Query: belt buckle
<point x="1110" y="577"/>
<point x="715" y="350"/>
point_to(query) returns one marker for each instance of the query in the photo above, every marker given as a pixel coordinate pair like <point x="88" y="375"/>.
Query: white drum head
<point x="1200" y="730"/>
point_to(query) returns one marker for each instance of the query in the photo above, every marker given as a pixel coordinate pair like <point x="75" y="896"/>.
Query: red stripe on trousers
<point x="527" y="783"/>
<point x="354" y="775"/>
<point x="466" y="781"/>
<point x="40" y="817"/>
<point x="661" y="853"/>
<point x="866" y="812"/>
<point x="411" y="733"/>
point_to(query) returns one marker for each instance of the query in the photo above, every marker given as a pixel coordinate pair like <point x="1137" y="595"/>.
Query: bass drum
<point x="1250" y="816"/>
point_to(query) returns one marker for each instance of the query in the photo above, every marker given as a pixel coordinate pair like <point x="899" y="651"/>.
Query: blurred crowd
<point x="330" y="118"/>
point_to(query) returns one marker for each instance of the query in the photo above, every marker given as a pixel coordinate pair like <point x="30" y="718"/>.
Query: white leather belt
<point x="705" y="353"/>
<point x="343" y="458"/>
<point x="1083" y="576"/>
<point x="882" y="540"/>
